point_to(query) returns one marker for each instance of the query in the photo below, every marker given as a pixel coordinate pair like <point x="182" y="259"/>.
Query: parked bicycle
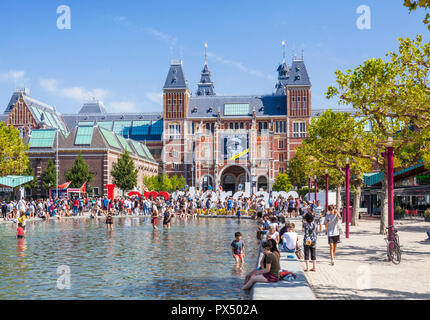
<point x="394" y="251"/>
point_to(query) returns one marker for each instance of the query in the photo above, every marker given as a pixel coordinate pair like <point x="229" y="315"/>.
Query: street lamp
<point x="347" y="169"/>
<point x="57" y="164"/>
<point x="316" y="188"/>
<point x="309" y="189"/>
<point x="326" y="190"/>
<point x="390" y="186"/>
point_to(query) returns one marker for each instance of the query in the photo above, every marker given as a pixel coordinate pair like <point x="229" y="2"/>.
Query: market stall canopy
<point x="14" y="181"/>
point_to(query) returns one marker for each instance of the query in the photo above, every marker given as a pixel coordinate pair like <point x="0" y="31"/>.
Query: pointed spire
<point x="206" y="86"/>
<point x="206" y="53"/>
<point x="283" y="73"/>
<point x="283" y="47"/>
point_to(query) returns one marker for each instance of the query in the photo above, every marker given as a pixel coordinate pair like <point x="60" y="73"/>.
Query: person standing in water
<point x="154" y="216"/>
<point x="109" y="221"/>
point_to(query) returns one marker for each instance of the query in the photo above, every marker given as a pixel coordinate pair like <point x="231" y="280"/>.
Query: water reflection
<point x="192" y="260"/>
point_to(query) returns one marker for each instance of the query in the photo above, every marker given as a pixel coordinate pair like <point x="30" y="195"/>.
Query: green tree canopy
<point x="13" y="158"/>
<point x="79" y="173"/>
<point x="124" y="173"/>
<point x="282" y="183"/>
<point x="33" y="184"/>
<point x="48" y="175"/>
<point x="415" y="4"/>
<point x="164" y="183"/>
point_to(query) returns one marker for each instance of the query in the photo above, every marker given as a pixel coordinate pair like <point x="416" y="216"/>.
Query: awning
<point x="373" y="178"/>
<point x="14" y="181"/>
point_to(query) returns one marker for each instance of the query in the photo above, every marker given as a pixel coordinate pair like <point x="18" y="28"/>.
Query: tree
<point x="79" y="173"/>
<point x="282" y="183"/>
<point x="414" y="4"/>
<point x="393" y="97"/>
<point x="124" y="173"/>
<point x="13" y="159"/>
<point x="164" y="183"/>
<point x="33" y="184"/>
<point x="297" y="173"/>
<point x="48" y="176"/>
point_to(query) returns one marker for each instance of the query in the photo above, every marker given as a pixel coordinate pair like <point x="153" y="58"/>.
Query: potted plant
<point x="399" y="213"/>
<point x="427" y="215"/>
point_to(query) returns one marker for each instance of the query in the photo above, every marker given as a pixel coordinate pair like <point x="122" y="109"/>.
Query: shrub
<point x="427" y="215"/>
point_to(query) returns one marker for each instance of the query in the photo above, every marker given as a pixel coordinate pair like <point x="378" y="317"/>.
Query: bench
<point x="297" y="289"/>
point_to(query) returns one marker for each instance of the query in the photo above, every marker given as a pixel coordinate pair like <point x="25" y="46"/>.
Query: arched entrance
<point x="262" y="183"/>
<point x="207" y="182"/>
<point x="232" y="177"/>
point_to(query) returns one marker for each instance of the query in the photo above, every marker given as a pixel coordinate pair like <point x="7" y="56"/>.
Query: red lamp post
<point x="347" y="198"/>
<point x="316" y="188"/>
<point x="390" y="186"/>
<point x="326" y="190"/>
<point x="309" y="189"/>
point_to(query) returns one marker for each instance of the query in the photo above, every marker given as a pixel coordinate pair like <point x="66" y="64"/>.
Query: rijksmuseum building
<point x="228" y="142"/>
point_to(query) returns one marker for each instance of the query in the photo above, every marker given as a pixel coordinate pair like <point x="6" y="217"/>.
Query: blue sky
<point x="119" y="51"/>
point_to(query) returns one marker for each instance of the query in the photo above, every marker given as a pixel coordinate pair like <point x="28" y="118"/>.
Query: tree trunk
<point x="384" y="205"/>
<point x="338" y="198"/>
<point x="356" y="211"/>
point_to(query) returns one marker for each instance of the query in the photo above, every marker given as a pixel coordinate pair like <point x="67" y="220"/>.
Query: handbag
<point x="299" y="253"/>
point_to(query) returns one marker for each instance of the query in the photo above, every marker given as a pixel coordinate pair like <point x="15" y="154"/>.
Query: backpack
<point x="287" y="275"/>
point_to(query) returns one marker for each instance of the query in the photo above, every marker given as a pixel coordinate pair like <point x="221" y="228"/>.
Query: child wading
<point x="20" y="232"/>
<point x="238" y="248"/>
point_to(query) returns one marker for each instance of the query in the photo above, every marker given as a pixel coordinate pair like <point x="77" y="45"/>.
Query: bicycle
<point x="394" y="252"/>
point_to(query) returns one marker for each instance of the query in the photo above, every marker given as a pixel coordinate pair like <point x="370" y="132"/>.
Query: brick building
<point x="229" y="141"/>
<point x="211" y="140"/>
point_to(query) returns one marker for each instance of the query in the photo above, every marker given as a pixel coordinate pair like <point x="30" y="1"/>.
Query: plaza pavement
<point x="361" y="269"/>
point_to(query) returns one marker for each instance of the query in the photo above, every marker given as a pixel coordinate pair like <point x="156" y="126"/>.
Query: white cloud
<point x="164" y="37"/>
<point x="240" y="66"/>
<point x="78" y="94"/>
<point x="12" y="75"/>
<point x="155" y="97"/>
<point x="122" y="106"/>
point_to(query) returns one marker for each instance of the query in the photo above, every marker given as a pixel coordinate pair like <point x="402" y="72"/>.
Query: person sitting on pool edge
<point x="270" y="273"/>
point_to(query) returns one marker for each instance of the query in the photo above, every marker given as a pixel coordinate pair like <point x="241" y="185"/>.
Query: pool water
<point x="192" y="260"/>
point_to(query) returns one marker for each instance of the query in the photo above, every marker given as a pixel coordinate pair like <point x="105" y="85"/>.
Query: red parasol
<point x="164" y="194"/>
<point x="134" y="193"/>
<point x="154" y="194"/>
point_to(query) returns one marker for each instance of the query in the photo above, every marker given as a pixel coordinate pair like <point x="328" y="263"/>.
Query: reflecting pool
<point x="192" y="260"/>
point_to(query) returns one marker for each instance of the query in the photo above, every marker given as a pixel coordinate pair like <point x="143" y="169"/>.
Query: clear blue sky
<point x="120" y="50"/>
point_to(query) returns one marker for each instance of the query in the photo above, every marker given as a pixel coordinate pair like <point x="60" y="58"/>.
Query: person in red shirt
<point x="20" y="233"/>
<point x="75" y="207"/>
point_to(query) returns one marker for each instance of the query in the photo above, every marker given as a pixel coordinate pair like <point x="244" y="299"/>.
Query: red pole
<point x="316" y="189"/>
<point x="309" y="190"/>
<point x="390" y="183"/>
<point x="326" y="192"/>
<point x="347" y="200"/>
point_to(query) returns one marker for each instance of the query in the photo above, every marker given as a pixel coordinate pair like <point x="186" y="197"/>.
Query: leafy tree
<point x="79" y="173"/>
<point x="13" y="159"/>
<point x="33" y="184"/>
<point x="164" y="183"/>
<point x="414" y="4"/>
<point x="282" y="183"/>
<point x="393" y="97"/>
<point x="297" y="171"/>
<point x="48" y="175"/>
<point x="124" y="173"/>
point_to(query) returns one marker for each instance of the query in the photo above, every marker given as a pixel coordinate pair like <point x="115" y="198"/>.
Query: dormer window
<point x="210" y="110"/>
<point x="262" y="109"/>
<point x="194" y="110"/>
<point x="298" y="77"/>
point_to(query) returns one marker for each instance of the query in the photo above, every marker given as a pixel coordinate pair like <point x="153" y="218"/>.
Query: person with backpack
<point x="309" y="241"/>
